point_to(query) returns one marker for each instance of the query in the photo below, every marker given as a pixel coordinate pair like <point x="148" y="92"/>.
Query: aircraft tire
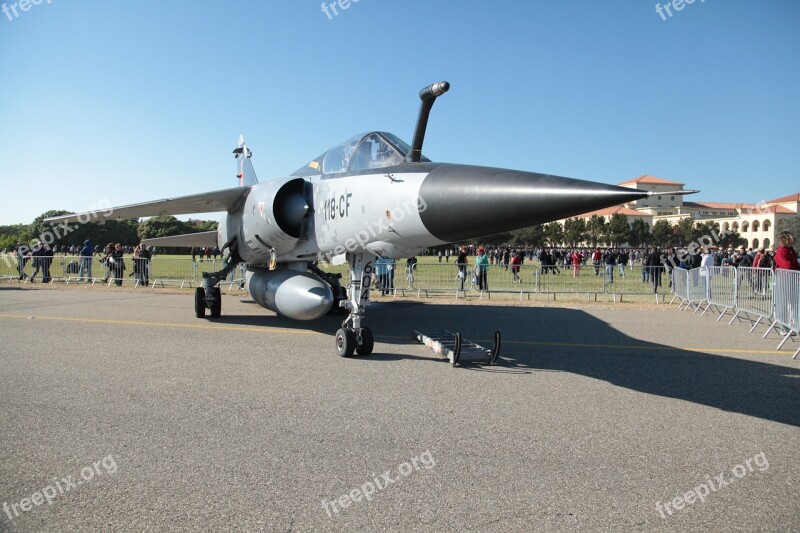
<point x="200" y="302"/>
<point x="216" y="307"/>
<point x="345" y="342"/>
<point x="367" y="342"/>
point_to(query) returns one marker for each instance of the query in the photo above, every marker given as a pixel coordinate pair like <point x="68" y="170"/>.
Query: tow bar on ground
<point x="459" y="350"/>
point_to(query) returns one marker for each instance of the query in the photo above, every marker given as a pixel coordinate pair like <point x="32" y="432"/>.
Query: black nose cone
<point x="462" y="202"/>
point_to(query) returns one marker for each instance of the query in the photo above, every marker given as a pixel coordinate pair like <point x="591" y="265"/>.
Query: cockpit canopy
<point x="366" y="151"/>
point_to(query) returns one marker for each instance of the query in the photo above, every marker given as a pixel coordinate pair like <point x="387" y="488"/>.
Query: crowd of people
<point x="654" y="261"/>
<point x="111" y="258"/>
<point x="205" y="253"/>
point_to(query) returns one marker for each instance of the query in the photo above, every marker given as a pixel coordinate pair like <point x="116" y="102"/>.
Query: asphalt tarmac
<point x="123" y="412"/>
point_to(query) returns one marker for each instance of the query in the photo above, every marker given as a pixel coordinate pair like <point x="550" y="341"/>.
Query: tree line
<point x="617" y="231"/>
<point x="128" y="232"/>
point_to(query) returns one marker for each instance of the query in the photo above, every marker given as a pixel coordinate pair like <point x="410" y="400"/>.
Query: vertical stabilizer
<point x="244" y="167"/>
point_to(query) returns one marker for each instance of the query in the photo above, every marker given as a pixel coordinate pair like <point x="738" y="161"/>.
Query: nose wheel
<point x="352" y="338"/>
<point x="350" y="341"/>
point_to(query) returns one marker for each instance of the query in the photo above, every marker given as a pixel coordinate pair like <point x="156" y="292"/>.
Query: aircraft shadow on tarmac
<point x="571" y="340"/>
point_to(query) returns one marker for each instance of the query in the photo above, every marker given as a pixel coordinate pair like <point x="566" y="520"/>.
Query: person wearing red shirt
<point x="577" y="259"/>
<point x="786" y="256"/>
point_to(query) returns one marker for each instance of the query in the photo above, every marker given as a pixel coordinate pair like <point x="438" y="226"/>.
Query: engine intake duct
<point x="290" y="207"/>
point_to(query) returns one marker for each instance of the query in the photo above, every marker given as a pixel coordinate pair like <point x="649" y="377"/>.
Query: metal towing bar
<point x="459" y="350"/>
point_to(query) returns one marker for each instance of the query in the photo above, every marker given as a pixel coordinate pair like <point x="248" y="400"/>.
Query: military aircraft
<point x="371" y="196"/>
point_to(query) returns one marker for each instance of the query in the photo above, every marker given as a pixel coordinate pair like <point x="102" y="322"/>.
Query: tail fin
<point x="244" y="167"/>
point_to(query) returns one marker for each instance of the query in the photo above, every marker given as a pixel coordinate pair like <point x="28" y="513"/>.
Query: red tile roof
<point x="608" y="211"/>
<point x="652" y="180"/>
<point x="785" y="199"/>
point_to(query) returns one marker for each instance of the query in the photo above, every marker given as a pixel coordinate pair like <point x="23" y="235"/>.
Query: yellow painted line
<point x="259" y="329"/>
<point x="267" y="329"/>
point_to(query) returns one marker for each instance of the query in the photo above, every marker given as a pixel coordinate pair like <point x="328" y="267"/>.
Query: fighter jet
<point x="371" y="196"/>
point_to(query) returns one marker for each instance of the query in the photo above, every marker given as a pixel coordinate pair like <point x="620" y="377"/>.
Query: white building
<point x="757" y="223"/>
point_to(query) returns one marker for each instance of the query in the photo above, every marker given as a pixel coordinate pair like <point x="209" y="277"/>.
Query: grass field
<point x="429" y="274"/>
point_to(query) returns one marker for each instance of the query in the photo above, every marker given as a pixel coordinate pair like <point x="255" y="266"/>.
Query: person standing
<point x="653" y="265"/>
<point x="390" y="264"/>
<point x="411" y="266"/>
<point x="117" y="264"/>
<point x="141" y="265"/>
<point x="622" y="262"/>
<point x="20" y="250"/>
<point x="86" y="260"/>
<point x="36" y="260"/>
<point x="516" y="264"/>
<point x="576" y="263"/>
<point x="786" y="256"/>
<point x="706" y="262"/>
<point x="482" y="269"/>
<point x="47" y="260"/>
<point x="461" y="263"/>
<point x="107" y="263"/>
<point x="610" y="260"/>
<point x="381" y="269"/>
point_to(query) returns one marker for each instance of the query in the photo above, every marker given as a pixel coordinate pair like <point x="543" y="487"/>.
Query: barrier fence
<point x="753" y="293"/>
<point x="426" y="279"/>
<point x="158" y="271"/>
<point x="787" y="305"/>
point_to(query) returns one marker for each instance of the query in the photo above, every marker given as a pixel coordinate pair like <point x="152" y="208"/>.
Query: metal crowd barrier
<point x="698" y="292"/>
<point x="531" y="279"/>
<point x="754" y="295"/>
<point x="787" y="306"/>
<point x="680" y="279"/>
<point x="720" y="289"/>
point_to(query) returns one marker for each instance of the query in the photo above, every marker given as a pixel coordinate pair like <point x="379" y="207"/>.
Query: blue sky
<point x="134" y="101"/>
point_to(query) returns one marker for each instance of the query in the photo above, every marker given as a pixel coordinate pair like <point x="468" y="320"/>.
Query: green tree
<point x="49" y="233"/>
<point x="530" y="235"/>
<point x="732" y="240"/>
<point x="574" y="231"/>
<point x="791" y="225"/>
<point x="640" y="233"/>
<point x="685" y="231"/>
<point x="595" y="229"/>
<point x="11" y="235"/>
<point x="497" y="239"/>
<point x="617" y="230"/>
<point x="166" y="226"/>
<point x="553" y="233"/>
<point x="662" y="233"/>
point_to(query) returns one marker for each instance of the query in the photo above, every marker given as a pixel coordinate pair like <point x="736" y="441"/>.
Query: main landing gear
<point x="352" y="337"/>
<point x="209" y="296"/>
